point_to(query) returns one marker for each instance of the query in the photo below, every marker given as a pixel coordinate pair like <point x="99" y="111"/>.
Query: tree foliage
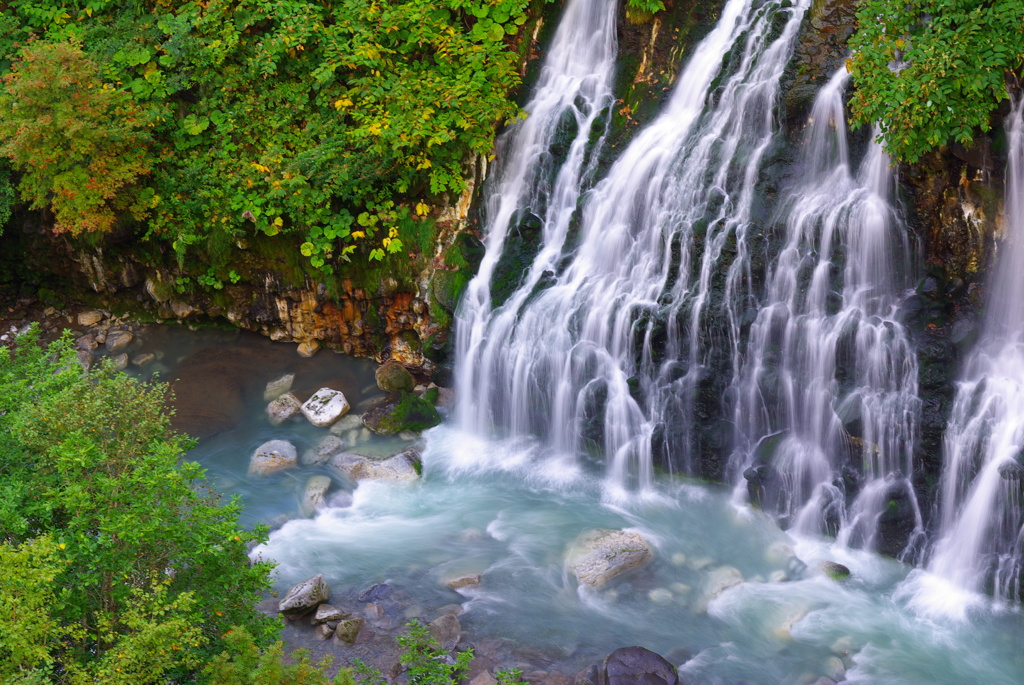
<point x="118" y="564"/>
<point x="329" y="121"/>
<point x="931" y="71"/>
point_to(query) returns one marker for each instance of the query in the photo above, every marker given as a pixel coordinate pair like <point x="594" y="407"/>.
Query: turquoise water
<point x="510" y="510"/>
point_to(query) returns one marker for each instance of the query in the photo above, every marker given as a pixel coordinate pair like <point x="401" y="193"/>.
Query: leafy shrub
<point x="931" y="71"/>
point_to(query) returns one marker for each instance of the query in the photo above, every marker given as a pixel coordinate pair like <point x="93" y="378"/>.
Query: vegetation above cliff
<point x="929" y="72"/>
<point x="202" y="123"/>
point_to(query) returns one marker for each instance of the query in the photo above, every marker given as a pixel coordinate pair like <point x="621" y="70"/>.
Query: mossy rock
<point x="833" y="570"/>
<point x="401" y="411"/>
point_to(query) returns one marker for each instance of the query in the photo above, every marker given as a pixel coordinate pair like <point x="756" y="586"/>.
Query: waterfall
<point x="982" y="523"/>
<point x="573" y="93"/>
<point x="604" y="344"/>
<point x="827" y="405"/>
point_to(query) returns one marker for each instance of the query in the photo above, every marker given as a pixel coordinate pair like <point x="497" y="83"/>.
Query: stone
<point x="182" y="310"/>
<point x="601" y="555"/>
<point x="283" y="408"/>
<point x="314" y="495"/>
<point x="90" y="317"/>
<point x="591" y="675"/>
<point x="376" y="592"/>
<point x="835" y="668"/>
<point x="484" y="678"/>
<point x="393" y="377"/>
<point x="325" y="407"/>
<point x="446" y="630"/>
<point x="833" y="570"/>
<point x="717" y="581"/>
<point x="272" y="456"/>
<point x="402" y="466"/>
<point x="87" y="342"/>
<point x="85" y="359"/>
<point x="143" y="359"/>
<point x="118" y="339"/>
<point x="120" y="361"/>
<point x="660" y="595"/>
<point x="308" y="348"/>
<point x="323" y="632"/>
<point x="328" y="613"/>
<point x="278" y="387"/>
<point x="303" y="598"/>
<point x="463" y="580"/>
<point x="401" y="411"/>
<point x="324" y="450"/>
<point x="346" y="423"/>
<point x="637" y="666"/>
<point x="348" y="630"/>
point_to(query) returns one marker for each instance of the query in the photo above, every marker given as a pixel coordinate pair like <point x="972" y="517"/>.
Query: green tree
<point x="78" y="141"/>
<point x="931" y="71"/>
<point x="139" y="569"/>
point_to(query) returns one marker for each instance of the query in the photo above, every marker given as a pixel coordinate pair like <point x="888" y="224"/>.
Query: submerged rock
<point x="324" y="450"/>
<point x="717" y="581"/>
<point x="314" y="495"/>
<point x="600" y="555"/>
<point x="346" y="423"/>
<point x="272" y="456"/>
<point x="278" y="387"/>
<point x="348" y="630"/>
<point x="325" y="407"/>
<point x="118" y="339"/>
<point x="304" y="597"/>
<point x="402" y="466"/>
<point x="833" y="570"/>
<point x="401" y="411"/>
<point x="393" y="377"/>
<point x="282" y="408"/>
<point x="447" y="631"/>
<point x="637" y="666"/>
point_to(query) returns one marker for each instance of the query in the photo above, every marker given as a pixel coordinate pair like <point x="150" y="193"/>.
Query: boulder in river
<point x="393" y="377"/>
<point x="304" y="597"/>
<point x="447" y="631"/>
<point x="314" y="495"/>
<point x="278" y="387"/>
<point x="402" y="466"/>
<point x="600" y="555"/>
<point x="282" y="408"/>
<point x="637" y="666"/>
<point x="272" y="456"/>
<point x="401" y="411"/>
<point x="326" y="612"/>
<point x="118" y="339"/>
<point x="348" y="630"/>
<point x="324" y="450"/>
<point x="833" y="570"/>
<point x="325" y="407"/>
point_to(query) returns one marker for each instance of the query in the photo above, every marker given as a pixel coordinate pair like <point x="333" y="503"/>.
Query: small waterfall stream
<point x="576" y="363"/>
<point x="830" y="379"/>
<point x="982" y="526"/>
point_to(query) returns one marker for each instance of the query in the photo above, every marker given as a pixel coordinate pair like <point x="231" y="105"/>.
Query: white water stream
<point x="981" y="545"/>
<point x="827" y="355"/>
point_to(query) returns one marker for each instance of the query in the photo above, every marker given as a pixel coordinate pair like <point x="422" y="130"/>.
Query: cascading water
<point x="982" y="535"/>
<point x="830" y="379"/>
<point x="574" y="92"/>
<point x="577" y="363"/>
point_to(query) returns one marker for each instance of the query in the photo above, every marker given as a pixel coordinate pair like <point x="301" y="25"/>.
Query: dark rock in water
<point x="447" y="631"/>
<point x="765" y="485"/>
<point x="833" y="570"/>
<point x="898" y="521"/>
<point x="376" y="592"/>
<point x="591" y="675"/>
<point x="637" y="666"/>
<point x="393" y="377"/>
<point x="401" y="411"/>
